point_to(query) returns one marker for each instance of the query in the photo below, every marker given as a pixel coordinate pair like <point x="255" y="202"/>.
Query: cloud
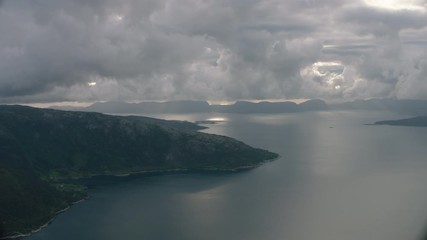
<point x="208" y="49"/>
<point x="415" y="83"/>
<point x="381" y="22"/>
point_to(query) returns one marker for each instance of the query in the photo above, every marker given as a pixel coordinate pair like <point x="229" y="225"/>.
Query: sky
<point x="156" y="50"/>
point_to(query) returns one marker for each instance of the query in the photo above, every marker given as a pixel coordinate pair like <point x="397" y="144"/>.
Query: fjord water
<point x="336" y="179"/>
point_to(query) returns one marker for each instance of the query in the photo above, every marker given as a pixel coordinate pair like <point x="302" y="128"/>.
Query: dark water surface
<point x="337" y="179"/>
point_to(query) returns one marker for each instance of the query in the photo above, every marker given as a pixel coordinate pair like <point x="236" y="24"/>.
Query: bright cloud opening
<point x="324" y="78"/>
<point x="397" y="4"/>
<point x="116" y="18"/>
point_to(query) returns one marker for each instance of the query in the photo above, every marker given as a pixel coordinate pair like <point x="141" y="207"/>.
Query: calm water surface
<point x="337" y="179"/>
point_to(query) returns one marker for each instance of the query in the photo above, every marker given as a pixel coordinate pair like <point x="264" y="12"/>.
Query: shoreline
<point x="136" y="173"/>
<point x="175" y="170"/>
<point x="22" y="235"/>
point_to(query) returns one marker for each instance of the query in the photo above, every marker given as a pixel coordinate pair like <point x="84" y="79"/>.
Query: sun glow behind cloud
<point x="116" y="18"/>
<point x="397" y="4"/>
<point x="325" y="76"/>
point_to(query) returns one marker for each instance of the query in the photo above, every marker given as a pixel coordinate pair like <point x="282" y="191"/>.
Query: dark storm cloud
<point x="205" y="49"/>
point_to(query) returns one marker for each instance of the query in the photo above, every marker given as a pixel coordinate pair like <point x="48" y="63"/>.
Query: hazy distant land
<point x="201" y="107"/>
<point x="412" y="107"/>
<point x="42" y="149"/>
<point x="401" y="106"/>
<point x="420" y="121"/>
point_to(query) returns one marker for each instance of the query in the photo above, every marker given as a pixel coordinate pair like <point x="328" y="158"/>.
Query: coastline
<point x="176" y="170"/>
<point x="21" y="235"/>
<point x="142" y="173"/>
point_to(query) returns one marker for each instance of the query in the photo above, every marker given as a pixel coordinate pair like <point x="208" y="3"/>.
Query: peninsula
<point x="42" y="149"/>
<point x="420" y="121"/>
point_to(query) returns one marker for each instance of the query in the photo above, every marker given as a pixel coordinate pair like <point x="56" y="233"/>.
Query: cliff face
<point x="42" y="148"/>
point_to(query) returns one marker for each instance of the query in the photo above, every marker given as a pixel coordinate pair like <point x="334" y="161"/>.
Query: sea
<point x="336" y="179"/>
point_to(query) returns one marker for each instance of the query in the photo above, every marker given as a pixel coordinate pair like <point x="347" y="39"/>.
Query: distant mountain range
<point x="401" y="106"/>
<point x="404" y="106"/>
<point x="270" y="107"/>
<point x="150" y="107"/>
<point x="201" y="106"/>
<point x="42" y="149"/>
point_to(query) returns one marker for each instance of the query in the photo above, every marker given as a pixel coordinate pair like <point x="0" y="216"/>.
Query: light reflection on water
<point x="336" y="179"/>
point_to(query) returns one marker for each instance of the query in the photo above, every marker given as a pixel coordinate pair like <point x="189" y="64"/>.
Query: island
<point x="420" y="121"/>
<point x="43" y="152"/>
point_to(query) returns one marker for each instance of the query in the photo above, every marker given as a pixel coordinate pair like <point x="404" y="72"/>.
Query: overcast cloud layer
<point x="133" y="50"/>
